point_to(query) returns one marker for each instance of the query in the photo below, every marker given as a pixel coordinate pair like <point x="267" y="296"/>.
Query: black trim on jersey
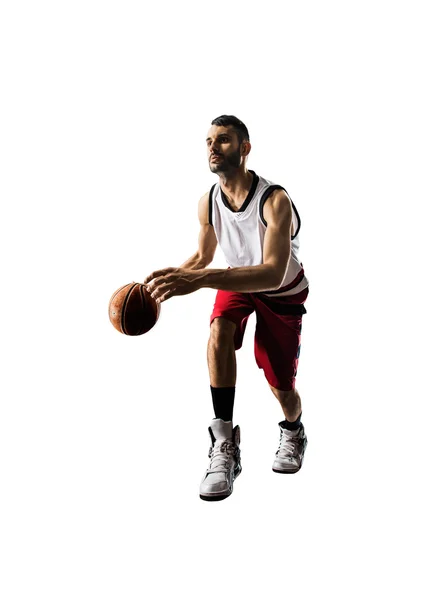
<point x="249" y="196"/>
<point x="210" y="203"/>
<point x="266" y="194"/>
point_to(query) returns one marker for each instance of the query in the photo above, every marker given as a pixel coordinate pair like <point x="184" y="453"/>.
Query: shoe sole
<point x="216" y="497"/>
<point x="285" y="471"/>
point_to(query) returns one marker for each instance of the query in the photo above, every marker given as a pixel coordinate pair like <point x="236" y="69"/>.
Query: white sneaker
<point x="290" y="454"/>
<point x="225" y="462"/>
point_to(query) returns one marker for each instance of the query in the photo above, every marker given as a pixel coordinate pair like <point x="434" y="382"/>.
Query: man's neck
<point x="236" y="187"/>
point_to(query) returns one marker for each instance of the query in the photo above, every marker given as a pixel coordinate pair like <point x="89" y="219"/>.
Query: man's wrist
<point x="210" y="277"/>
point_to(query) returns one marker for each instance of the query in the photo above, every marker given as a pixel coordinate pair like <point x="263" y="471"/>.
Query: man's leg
<point x="290" y="402"/>
<point x="221" y="360"/>
<point x="277" y="349"/>
<point x="221" y="357"/>
<point x="225" y="463"/>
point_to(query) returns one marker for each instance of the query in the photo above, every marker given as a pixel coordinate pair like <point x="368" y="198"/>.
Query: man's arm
<point x="276" y="253"/>
<point x="207" y="241"/>
<point x="165" y="283"/>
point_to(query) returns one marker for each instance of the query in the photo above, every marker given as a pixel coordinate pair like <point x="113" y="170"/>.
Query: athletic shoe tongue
<point x="222" y="430"/>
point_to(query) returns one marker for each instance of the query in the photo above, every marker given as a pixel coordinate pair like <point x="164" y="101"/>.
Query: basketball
<point x="132" y="310"/>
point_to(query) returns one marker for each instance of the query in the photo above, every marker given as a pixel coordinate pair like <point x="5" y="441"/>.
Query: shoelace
<point x="288" y="445"/>
<point x="220" y="456"/>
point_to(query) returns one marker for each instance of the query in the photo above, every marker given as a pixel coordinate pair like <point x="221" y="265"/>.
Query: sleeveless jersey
<point x="241" y="234"/>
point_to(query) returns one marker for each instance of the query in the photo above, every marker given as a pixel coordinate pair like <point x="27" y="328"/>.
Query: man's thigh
<point x="235" y="307"/>
<point x="278" y="346"/>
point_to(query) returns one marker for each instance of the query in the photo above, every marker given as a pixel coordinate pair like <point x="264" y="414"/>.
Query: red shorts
<point x="277" y="334"/>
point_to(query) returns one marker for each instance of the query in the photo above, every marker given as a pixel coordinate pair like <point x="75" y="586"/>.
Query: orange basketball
<point x="132" y="310"/>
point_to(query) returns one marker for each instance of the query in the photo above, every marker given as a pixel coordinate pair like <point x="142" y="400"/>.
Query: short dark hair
<point x="238" y="126"/>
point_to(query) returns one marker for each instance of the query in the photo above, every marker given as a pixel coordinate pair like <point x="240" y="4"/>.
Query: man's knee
<point x="222" y="329"/>
<point x="286" y="393"/>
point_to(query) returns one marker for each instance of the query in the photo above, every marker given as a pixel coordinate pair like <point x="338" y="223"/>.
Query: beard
<point x="227" y="163"/>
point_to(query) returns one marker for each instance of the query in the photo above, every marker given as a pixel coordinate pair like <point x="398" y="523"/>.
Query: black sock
<point x="223" y="399"/>
<point x="292" y="425"/>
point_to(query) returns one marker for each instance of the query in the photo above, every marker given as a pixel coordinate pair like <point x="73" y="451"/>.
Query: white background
<point x="105" y="107"/>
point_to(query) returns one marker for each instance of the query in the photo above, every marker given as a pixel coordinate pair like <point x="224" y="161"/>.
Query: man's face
<point x="223" y="149"/>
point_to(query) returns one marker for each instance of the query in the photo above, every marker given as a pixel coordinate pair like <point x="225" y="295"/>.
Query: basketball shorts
<point x="277" y="333"/>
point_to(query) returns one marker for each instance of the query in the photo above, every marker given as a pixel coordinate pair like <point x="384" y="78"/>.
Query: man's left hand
<point x="173" y="282"/>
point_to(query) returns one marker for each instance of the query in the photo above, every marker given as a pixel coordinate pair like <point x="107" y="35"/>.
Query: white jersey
<point x="240" y="234"/>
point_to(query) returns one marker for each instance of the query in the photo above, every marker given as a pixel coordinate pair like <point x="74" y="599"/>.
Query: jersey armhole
<point x="266" y="194"/>
<point x="211" y="204"/>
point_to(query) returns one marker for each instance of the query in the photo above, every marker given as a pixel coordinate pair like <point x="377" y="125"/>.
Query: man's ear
<point x="246" y="147"/>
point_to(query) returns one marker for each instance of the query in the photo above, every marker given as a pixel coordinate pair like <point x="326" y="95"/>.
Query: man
<point x="257" y="225"/>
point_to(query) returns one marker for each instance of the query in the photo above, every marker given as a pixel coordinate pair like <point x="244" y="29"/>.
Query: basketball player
<point x="256" y="225"/>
